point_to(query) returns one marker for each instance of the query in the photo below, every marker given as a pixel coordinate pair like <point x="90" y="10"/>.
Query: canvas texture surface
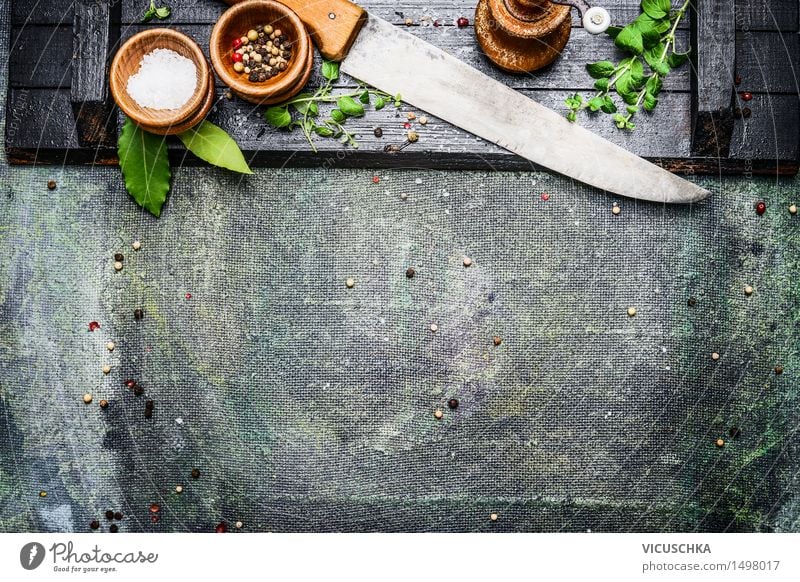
<point x="309" y="406"/>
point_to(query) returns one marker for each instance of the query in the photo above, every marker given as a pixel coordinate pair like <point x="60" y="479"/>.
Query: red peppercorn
<point x="154" y="518"/>
<point x="236" y="58"/>
<point x="436" y="23"/>
<point x="155" y="508"/>
<point x="237" y="43"/>
<point x="545" y="197"/>
<point x="761" y="207"/>
<point x="222" y="527"/>
<point x="130" y="383"/>
<point x="188" y="296"/>
<point x="407" y="125"/>
<point x="94" y="326"/>
<point x="462" y="22"/>
<point x="375" y="179"/>
<point x="746" y="96"/>
<point x="737" y="79"/>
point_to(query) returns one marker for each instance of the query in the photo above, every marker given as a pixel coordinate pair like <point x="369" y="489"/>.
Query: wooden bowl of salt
<point x="162" y="81"/>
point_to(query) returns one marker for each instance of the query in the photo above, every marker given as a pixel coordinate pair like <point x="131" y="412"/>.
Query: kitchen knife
<point x="384" y="56"/>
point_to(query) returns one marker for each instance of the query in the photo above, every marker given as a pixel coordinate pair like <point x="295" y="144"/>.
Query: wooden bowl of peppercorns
<point x="262" y="51"/>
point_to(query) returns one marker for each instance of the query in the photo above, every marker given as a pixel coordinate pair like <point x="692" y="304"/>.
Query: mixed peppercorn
<point x="261" y="54"/>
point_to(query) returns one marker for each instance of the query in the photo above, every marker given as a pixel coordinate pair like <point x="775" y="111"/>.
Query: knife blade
<point x="380" y="54"/>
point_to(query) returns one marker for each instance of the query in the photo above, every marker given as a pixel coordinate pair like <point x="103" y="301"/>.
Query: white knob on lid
<point x="596" y="20"/>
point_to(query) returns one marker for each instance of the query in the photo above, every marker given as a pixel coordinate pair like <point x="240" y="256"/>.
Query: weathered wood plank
<point x="89" y="94"/>
<point x="751" y="14"/>
<point x="768" y="62"/>
<point x="771" y="132"/>
<point x="24" y="12"/>
<point x="712" y="83"/>
<point x="40" y="56"/>
<point x="568" y="72"/>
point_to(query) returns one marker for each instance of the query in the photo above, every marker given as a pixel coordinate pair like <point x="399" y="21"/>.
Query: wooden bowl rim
<point x="140" y="114"/>
<point x="257" y="92"/>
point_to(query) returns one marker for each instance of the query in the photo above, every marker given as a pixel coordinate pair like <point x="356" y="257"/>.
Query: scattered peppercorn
<point x="350" y="283"/>
<point x="222" y="527"/>
<point x="117" y="265"/>
<point x="239" y="525"/>
<point x="130" y="383"/>
<point x="136" y="245"/>
<point x="106" y="369"/>
<point x="94" y="326"/>
<point x="735" y="432"/>
<point x="747" y="112"/>
<point x="188" y="296"/>
<point x="423" y="120"/>
<point x="110" y="346"/>
<point x="462" y="22"/>
<point x="467" y="262"/>
<point x="378" y="132"/>
<point x="178" y="489"/>
<point x="497" y="340"/>
<point x="793" y="209"/>
<point x="714" y="356"/>
<point x="149" y="404"/>
<point x="118" y="515"/>
<point x="413" y="136"/>
<point x="148" y="413"/>
<point x="119" y="257"/>
<point x="195" y="473"/>
<point x="138" y="390"/>
<point x="691" y="301"/>
<point x="748" y="290"/>
<point x="452" y="403"/>
<point x="493" y="517"/>
<point x="104" y="404"/>
<point x="42" y="493"/>
<point x="87" y="398"/>
<point x="409" y="22"/>
<point x="138" y="314"/>
<point x="761" y="207"/>
<point x="51" y="184"/>
<point x="95" y="524"/>
<point x="631" y="311"/>
<point x="410" y="272"/>
<point x="438" y="414"/>
<point x="615" y="210"/>
<point x="109" y="515"/>
<point x="113" y="528"/>
<point x="155" y="508"/>
<point x="778" y="370"/>
<point x="720" y="443"/>
<point x="155" y="518"/>
<point x="737" y="79"/>
<point x="434" y="328"/>
<point x="376" y="179"/>
<point x="747" y="96"/>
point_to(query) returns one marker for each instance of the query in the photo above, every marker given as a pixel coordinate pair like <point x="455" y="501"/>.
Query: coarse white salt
<point x="165" y="80"/>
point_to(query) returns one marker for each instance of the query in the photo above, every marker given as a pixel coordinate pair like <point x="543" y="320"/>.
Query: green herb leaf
<point x="330" y="70"/>
<point x="145" y="166"/>
<point x="656" y="8"/>
<point x="613" y="31"/>
<point x="306" y="106"/>
<point x="649" y="29"/>
<point x="630" y="39"/>
<point x="212" y="144"/>
<point x="653" y="85"/>
<point x="632" y="109"/>
<point x="650" y="102"/>
<point x="324" y="131"/>
<point x="338" y="116"/>
<point x="364" y="97"/>
<point x="608" y="105"/>
<point x="398" y="100"/>
<point x="278" y="116"/>
<point x="600" y="69"/>
<point x="596" y="103"/>
<point x="572" y="116"/>
<point x="675" y="60"/>
<point x="380" y="103"/>
<point x="163" y="12"/>
<point x="350" y="106"/>
<point x="601" y="85"/>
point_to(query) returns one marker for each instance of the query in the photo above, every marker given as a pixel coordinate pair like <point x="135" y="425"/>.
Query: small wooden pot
<point x="521" y="36"/>
<point x="234" y="23"/>
<point x="127" y="62"/>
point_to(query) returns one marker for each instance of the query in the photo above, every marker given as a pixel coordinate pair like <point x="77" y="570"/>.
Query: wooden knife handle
<point x="333" y="24"/>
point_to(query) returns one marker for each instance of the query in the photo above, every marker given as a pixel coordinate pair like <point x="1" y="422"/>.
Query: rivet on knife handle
<point x="332" y="24"/>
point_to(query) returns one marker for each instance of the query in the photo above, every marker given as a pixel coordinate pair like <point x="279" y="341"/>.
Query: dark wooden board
<point x="41" y="123"/>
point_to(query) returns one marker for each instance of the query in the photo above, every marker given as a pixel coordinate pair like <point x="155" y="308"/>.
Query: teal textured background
<point x="309" y="406"/>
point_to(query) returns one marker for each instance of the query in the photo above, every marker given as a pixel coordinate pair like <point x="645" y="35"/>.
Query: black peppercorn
<point x="410" y="272"/>
<point x="253" y="78"/>
<point x="149" y="405"/>
<point x="195" y="473"/>
<point x="452" y="403"/>
<point x="138" y="314"/>
<point x="691" y="302"/>
<point x="51" y="184"/>
<point x="118" y="515"/>
<point x="735" y="432"/>
<point x="109" y="514"/>
<point x="119" y="257"/>
<point x="138" y="390"/>
<point x="378" y="132"/>
<point x="779" y="369"/>
<point x="746" y="112"/>
<point x="148" y="413"/>
<point x="113" y="528"/>
<point x="95" y="524"/>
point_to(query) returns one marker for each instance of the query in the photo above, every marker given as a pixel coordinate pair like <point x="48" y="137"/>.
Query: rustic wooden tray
<point x="59" y="110"/>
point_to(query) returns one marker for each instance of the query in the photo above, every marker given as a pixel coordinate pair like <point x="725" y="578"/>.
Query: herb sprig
<point x="650" y="40"/>
<point x="160" y="12"/>
<point x="306" y="107"/>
